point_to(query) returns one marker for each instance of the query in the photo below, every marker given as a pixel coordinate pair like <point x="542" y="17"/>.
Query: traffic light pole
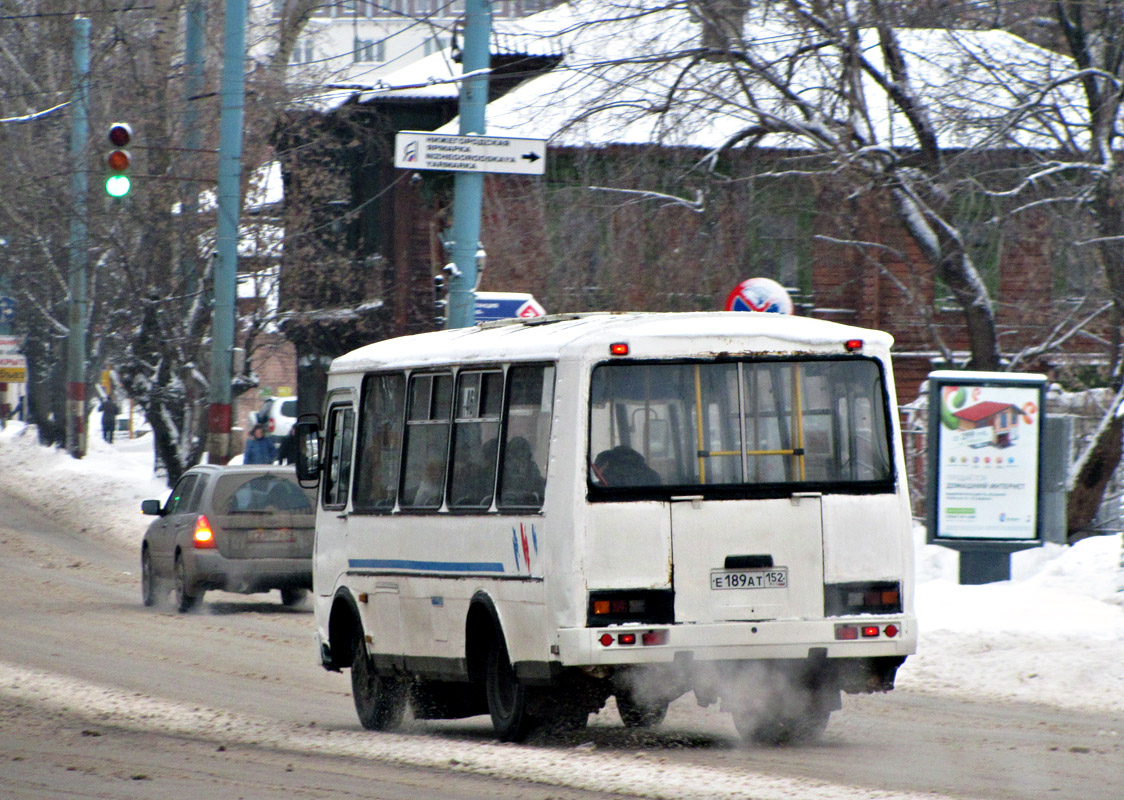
<point x="229" y="205"/>
<point x="79" y="186"/>
<point x="468" y="188"/>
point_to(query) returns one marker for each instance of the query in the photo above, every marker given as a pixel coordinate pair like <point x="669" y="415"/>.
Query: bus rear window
<point x="730" y="424"/>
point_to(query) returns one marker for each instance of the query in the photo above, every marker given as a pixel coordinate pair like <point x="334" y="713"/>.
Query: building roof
<point x="612" y="83"/>
<point x="982" y="410"/>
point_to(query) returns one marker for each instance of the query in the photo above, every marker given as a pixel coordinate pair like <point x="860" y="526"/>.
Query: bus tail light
<point x="618" y="349"/>
<point x="846" y="632"/>
<point x="851" y="345"/>
<point x="874" y="597"/>
<point x="619" y="607"/>
<point x="629" y="638"/>
<point x="203" y="537"/>
<point x="870" y="631"/>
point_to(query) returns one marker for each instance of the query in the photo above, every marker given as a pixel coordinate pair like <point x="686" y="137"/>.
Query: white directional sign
<point x="421" y="150"/>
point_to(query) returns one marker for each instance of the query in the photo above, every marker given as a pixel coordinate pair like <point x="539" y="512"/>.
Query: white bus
<point x="528" y="517"/>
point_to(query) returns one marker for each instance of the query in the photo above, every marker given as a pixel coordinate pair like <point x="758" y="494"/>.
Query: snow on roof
<point x="612" y="84"/>
<point x="265" y="188"/>
<point x="651" y="334"/>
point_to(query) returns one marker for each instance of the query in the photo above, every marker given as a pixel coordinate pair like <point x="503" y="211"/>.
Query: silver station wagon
<point x="242" y="529"/>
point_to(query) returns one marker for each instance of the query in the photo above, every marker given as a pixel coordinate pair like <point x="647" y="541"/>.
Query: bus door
<point x="754" y="549"/>
<point x="747" y="559"/>
<point x="330" y="557"/>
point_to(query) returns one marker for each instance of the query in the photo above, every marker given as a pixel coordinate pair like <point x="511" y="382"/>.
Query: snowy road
<point x="100" y="697"/>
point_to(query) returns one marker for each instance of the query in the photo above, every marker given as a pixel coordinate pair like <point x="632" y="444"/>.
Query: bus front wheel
<point x="507" y="698"/>
<point x="379" y="702"/>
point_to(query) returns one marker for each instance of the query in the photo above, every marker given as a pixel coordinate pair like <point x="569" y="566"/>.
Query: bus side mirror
<point x="307" y="431"/>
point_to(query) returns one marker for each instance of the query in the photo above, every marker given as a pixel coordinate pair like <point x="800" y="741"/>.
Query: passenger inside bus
<point x="623" y="466"/>
<point x="523" y="483"/>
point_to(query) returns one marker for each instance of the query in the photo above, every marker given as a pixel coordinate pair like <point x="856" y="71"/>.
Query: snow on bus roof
<point x="654" y="334"/>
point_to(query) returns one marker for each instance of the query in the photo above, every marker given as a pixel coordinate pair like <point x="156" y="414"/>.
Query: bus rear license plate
<point x="772" y="578"/>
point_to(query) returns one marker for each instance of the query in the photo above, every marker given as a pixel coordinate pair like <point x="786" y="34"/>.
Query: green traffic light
<point x="118" y="185"/>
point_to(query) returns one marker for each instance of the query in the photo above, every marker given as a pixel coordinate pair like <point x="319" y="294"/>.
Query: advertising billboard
<point x="985" y="448"/>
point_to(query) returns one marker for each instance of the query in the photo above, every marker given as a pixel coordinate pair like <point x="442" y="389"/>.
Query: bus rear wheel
<point x="508" y="700"/>
<point x="380" y="702"/>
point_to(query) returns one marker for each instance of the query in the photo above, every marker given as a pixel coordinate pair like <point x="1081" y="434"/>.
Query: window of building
<point x="303" y="52"/>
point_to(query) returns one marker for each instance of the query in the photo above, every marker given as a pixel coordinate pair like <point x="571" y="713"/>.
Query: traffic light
<point x="440" y="304"/>
<point x="118" y="183"/>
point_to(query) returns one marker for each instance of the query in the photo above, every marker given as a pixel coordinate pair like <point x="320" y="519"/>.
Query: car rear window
<point x="289" y="408"/>
<point x="260" y="494"/>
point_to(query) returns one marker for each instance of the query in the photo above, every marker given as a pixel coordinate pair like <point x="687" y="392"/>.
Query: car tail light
<point x="271" y="424"/>
<point x="203" y="537"/>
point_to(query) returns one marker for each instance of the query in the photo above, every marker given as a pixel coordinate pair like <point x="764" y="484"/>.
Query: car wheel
<point x="152" y="589"/>
<point x="380" y="702"/>
<point x="185" y="600"/>
<point x="640" y="715"/>
<point x="507" y="698"/>
<point x="293" y="597"/>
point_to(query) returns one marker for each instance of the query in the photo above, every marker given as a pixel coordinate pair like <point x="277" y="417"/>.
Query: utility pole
<point x="468" y="187"/>
<point x="79" y="186"/>
<point x="193" y="87"/>
<point x="229" y="206"/>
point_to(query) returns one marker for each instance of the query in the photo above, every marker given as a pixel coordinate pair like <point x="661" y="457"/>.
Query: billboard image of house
<point x="999" y="420"/>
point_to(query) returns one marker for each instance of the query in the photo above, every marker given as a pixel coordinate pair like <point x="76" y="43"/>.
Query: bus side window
<point x="427" y="441"/>
<point x="380" y="443"/>
<point x="476" y="429"/>
<point x="530" y="408"/>
<point x="341" y="424"/>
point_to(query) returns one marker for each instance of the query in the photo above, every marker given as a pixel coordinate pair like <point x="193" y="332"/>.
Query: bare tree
<point x="149" y="272"/>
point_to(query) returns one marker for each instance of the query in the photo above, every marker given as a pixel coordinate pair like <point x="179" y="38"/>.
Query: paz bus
<point x="529" y="517"/>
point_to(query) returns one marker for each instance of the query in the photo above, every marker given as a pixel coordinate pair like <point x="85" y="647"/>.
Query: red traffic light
<point x="120" y="134"/>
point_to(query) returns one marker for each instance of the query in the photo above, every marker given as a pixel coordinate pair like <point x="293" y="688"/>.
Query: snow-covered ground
<point x="1054" y="634"/>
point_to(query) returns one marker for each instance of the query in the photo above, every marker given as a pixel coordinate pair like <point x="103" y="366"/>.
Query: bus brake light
<point x="851" y="345"/>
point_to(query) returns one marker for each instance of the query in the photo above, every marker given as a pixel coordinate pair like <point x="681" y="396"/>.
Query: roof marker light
<point x="851" y="345"/>
<point x="618" y="349"/>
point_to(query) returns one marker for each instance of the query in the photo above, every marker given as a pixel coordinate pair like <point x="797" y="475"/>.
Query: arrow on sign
<point x="532" y="157"/>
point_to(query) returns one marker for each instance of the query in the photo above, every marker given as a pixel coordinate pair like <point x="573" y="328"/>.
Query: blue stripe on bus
<point x="428" y="566"/>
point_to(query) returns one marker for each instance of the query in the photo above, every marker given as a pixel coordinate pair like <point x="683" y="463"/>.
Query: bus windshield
<point x="748" y="425"/>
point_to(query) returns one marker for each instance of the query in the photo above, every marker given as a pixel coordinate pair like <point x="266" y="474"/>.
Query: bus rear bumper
<point x="874" y="636"/>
